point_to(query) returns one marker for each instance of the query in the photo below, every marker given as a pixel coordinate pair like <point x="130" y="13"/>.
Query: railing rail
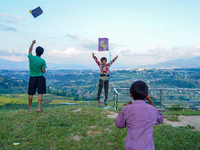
<point x="116" y="93"/>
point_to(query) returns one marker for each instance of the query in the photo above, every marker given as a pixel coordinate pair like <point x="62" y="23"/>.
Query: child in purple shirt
<point x="139" y="119"/>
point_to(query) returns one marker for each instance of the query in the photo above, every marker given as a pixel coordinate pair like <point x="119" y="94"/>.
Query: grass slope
<point x="20" y="101"/>
<point x="23" y="99"/>
<point x="88" y="128"/>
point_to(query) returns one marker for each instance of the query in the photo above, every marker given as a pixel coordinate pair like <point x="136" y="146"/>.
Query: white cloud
<point x="84" y="43"/>
<point x="160" y="44"/>
<point x="123" y="51"/>
<point x="10" y="54"/>
<point x="69" y="55"/>
<point x="157" y="55"/>
<point x="73" y="36"/>
<point x="127" y="57"/>
<point x="88" y="44"/>
<point x="11" y="16"/>
<point x="7" y="28"/>
<point x="14" y="58"/>
<point x="10" y="51"/>
<point x="69" y="52"/>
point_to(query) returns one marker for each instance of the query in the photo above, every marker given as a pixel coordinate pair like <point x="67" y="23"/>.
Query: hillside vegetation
<point x="85" y="82"/>
<point x="80" y="127"/>
<point x="8" y="85"/>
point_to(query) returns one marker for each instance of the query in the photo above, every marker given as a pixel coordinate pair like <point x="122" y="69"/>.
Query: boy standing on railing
<point x="139" y="119"/>
<point x="103" y="81"/>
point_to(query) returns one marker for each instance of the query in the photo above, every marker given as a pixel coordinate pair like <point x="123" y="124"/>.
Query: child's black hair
<point x="139" y="90"/>
<point x="39" y="51"/>
<point x="103" y="58"/>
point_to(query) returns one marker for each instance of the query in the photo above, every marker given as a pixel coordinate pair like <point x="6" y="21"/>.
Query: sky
<point x="141" y="32"/>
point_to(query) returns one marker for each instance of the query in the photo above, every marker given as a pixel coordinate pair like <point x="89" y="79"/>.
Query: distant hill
<point x="10" y="65"/>
<point x="24" y="65"/>
<point x="178" y="63"/>
<point x="8" y="85"/>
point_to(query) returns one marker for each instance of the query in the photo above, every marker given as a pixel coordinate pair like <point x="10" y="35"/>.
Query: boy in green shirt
<point x="37" y="67"/>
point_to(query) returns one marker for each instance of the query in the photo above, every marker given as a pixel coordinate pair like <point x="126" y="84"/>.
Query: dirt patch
<point x="93" y="133"/>
<point x="104" y="112"/>
<point x="185" y="120"/>
<point x="92" y="127"/>
<point x="77" y="138"/>
<point x="112" y="115"/>
<point x="109" y="143"/>
<point x="108" y="130"/>
<point x="79" y="109"/>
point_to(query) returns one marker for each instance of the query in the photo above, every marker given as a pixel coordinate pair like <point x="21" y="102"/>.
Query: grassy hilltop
<point x="20" y="101"/>
<point x="80" y="127"/>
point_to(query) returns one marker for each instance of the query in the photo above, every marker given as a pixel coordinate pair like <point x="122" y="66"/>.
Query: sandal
<point x="40" y="111"/>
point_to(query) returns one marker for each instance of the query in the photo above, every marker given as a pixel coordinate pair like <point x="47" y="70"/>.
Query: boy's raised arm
<point x="96" y="60"/>
<point x="159" y="115"/>
<point x="120" y="121"/>
<point x="31" y="47"/>
<point x="113" y="60"/>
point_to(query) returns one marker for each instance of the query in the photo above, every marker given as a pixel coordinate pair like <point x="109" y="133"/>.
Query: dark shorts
<point x="38" y="83"/>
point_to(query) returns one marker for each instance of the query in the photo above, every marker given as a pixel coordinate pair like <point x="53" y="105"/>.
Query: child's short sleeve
<point x="44" y="65"/>
<point x="30" y="55"/>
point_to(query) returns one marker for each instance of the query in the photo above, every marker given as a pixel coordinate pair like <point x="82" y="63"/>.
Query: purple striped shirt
<point x="139" y="119"/>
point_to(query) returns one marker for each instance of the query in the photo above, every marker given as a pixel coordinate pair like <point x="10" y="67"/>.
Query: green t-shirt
<point x="36" y="64"/>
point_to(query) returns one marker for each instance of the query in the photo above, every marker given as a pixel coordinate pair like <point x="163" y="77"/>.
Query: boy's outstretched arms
<point x="113" y="60"/>
<point x="93" y="55"/>
<point x="31" y="47"/>
<point x="96" y="60"/>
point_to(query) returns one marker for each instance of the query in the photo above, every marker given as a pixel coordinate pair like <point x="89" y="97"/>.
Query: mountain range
<point x="178" y="63"/>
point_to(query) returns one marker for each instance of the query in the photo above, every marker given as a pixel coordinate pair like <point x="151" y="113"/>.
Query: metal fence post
<point x="115" y="98"/>
<point x="116" y="101"/>
<point x="160" y="98"/>
<point x="118" y="96"/>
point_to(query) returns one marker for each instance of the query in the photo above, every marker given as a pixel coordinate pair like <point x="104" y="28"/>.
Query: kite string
<point x="35" y="30"/>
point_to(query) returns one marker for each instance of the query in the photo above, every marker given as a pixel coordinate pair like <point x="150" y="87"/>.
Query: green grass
<point x="20" y="101"/>
<point x="56" y="128"/>
<point x="14" y="98"/>
<point x="188" y="127"/>
<point x="23" y="99"/>
<point x="185" y="113"/>
<point x="172" y="117"/>
<point x="167" y="137"/>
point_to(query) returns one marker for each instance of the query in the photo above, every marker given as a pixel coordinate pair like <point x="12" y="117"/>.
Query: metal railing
<point x="184" y="93"/>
